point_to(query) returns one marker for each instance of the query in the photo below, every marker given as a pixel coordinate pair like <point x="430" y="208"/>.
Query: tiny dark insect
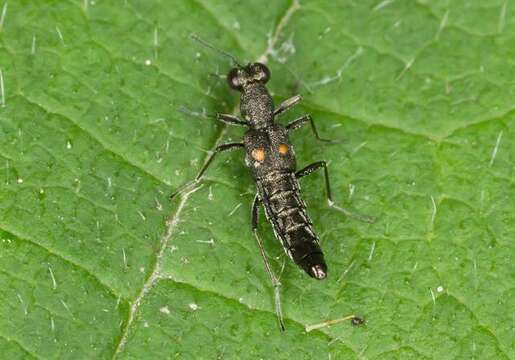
<point x="271" y="160"/>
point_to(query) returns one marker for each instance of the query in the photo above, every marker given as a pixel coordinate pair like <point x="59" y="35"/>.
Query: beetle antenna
<point x="220" y="51"/>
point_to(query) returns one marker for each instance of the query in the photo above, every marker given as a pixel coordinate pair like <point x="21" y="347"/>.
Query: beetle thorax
<point x="256" y="105"/>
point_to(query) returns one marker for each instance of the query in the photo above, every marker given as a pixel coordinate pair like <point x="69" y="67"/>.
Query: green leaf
<point x="96" y="262"/>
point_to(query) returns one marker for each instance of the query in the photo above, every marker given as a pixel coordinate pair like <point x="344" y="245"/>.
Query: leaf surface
<point x="96" y="262"/>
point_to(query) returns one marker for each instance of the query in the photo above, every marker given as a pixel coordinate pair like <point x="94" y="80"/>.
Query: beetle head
<point x="239" y="77"/>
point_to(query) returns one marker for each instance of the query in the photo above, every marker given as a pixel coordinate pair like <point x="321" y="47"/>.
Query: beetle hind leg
<point x="322" y="164"/>
<point x="275" y="281"/>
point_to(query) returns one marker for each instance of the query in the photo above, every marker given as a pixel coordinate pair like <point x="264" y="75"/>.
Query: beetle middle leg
<point x="319" y="164"/>
<point x="275" y="282"/>
<point x="218" y="149"/>
<point x="297" y="123"/>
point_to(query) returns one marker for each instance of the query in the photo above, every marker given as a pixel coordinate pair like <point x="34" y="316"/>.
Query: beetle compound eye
<point x="283" y="149"/>
<point x="261" y="72"/>
<point x="258" y="154"/>
<point x="233" y="79"/>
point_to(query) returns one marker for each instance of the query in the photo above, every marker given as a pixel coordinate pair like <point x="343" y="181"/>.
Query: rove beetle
<point x="271" y="160"/>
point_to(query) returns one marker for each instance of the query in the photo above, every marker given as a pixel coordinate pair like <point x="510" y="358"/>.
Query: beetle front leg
<point x="230" y="119"/>
<point x="322" y="164"/>
<point x="287" y="104"/>
<point x="225" y="118"/>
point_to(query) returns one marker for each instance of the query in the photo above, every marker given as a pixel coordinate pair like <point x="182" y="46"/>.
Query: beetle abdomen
<point x="286" y="211"/>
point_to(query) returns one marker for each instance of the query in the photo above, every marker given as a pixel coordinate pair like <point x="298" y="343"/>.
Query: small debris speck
<point x="20" y="181"/>
<point x="164" y="310"/>
<point x="439" y="288"/>
<point x="193" y="306"/>
<point x="357" y="321"/>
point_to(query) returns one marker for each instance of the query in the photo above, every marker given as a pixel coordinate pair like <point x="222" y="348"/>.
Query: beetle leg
<point x="225" y="118"/>
<point x="218" y="149"/>
<point x="297" y="123"/>
<point x="230" y="119"/>
<point x="275" y="282"/>
<point x="319" y="164"/>
<point x="287" y="104"/>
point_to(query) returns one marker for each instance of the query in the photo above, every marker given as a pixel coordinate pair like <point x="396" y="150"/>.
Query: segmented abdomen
<point x="286" y="211"/>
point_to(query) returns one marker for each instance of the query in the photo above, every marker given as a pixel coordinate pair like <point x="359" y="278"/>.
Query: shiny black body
<point x="278" y="188"/>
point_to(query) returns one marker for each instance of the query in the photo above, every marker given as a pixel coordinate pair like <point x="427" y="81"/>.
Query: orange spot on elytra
<point x="283" y="149"/>
<point x="258" y="154"/>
